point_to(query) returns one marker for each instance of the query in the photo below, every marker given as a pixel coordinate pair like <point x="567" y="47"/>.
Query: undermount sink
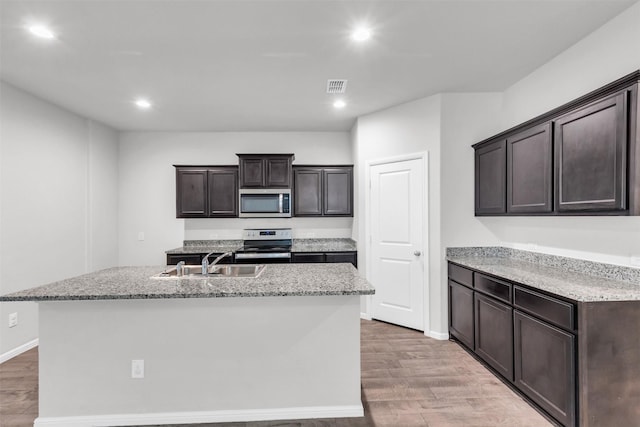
<point x="219" y="270"/>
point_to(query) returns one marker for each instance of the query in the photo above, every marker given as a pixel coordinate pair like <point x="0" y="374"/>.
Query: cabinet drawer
<point x="307" y="257"/>
<point x="558" y="312"/>
<point x="190" y="259"/>
<point x="461" y="275"/>
<point x="494" y="287"/>
<point x="350" y="257"/>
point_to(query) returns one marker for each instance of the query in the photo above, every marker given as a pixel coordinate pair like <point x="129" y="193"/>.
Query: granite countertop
<point x="323" y="245"/>
<point x="206" y="246"/>
<point x="561" y="279"/>
<point x="136" y="283"/>
<point x="299" y="245"/>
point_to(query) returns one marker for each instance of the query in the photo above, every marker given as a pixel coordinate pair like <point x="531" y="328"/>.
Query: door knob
<point x="417" y="253"/>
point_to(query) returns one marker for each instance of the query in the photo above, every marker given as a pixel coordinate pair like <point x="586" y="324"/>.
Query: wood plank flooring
<point x="407" y="380"/>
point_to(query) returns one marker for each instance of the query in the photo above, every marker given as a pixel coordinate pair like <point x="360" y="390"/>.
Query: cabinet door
<point x="251" y="172"/>
<point x="338" y="191"/>
<point x="351" y="257"/>
<point x="590" y="157"/>
<point x="529" y="175"/>
<point x="494" y="334"/>
<point x="191" y="193"/>
<point x="545" y="366"/>
<point x="491" y="177"/>
<point x="278" y="172"/>
<point x="461" y="313"/>
<point x="223" y="192"/>
<point x="307" y="197"/>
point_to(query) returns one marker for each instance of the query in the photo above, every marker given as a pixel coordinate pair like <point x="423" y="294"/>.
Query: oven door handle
<point x="280" y="255"/>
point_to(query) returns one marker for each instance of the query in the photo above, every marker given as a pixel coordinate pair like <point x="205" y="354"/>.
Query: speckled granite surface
<point x="205" y="246"/>
<point x="324" y="245"/>
<point x="575" y="279"/>
<point x="136" y="283"/>
<point x="299" y="245"/>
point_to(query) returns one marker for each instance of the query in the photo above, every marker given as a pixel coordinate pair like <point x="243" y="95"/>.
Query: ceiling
<point x="263" y="65"/>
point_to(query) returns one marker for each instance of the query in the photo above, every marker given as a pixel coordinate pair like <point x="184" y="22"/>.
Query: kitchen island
<point x="282" y="345"/>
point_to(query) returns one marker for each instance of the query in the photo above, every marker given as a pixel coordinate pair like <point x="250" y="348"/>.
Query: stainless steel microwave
<point x="265" y="203"/>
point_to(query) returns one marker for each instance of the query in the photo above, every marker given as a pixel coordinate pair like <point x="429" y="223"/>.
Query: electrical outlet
<point x="137" y="368"/>
<point x="141" y="235"/>
<point x="13" y="320"/>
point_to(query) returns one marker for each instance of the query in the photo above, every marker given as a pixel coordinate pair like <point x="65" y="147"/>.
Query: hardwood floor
<point x="19" y="390"/>
<point x="407" y="380"/>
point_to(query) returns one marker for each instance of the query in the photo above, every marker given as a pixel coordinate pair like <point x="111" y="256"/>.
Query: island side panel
<point x="609" y="363"/>
<point x="201" y="355"/>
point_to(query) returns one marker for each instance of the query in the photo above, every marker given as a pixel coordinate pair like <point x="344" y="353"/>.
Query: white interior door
<point x="397" y="221"/>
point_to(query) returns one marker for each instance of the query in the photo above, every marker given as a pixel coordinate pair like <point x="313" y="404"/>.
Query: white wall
<point x="58" y="194"/>
<point x="409" y="128"/>
<point x="605" y="55"/>
<point x="147" y="186"/>
<point x="466" y="119"/>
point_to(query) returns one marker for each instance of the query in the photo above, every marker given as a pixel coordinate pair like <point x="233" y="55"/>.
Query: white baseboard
<point x="18" y="350"/>
<point x="203" y="417"/>
<point x="365" y="316"/>
<point x="437" y="335"/>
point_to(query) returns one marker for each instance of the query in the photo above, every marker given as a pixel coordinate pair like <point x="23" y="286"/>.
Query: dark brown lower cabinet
<point x="578" y="362"/>
<point x="494" y="334"/>
<point x="461" y="313"/>
<point x="328" y="257"/>
<point x="351" y="257"/>
<point x="307" y="257"/>
<point x="545" y="366"/>
<point x="296" y="257"/>
<point x="189" y="259"/>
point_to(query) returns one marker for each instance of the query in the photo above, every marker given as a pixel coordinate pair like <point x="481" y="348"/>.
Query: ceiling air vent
<point x="336" y="86"/>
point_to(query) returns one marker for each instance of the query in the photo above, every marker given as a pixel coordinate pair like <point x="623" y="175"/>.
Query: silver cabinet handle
<point x="417" y="253"/>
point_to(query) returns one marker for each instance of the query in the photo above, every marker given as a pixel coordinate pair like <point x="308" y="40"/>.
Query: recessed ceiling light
<point x="143" y="104"/>
<point x="41" y="31"/>
<point x="361" y="34"/>
<point x="339" y="104"/>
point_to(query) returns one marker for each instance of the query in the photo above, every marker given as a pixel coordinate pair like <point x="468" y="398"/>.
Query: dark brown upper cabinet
<point x="529" y="178"/>
<point x="206" y="191"/>
<point x="591" y="157"/>
<point x="191" y="192"/>
<point x="491" y="178"/>
<point x="265" y="170"/>
<point x="337" y="193"/>
<point x="223" y="192"/>
<point x="582" y="158"/>
<point x="307" y="191"/>
<point x="323" y="191"/>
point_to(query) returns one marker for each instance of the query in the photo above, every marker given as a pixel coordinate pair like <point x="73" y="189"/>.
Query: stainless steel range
<point x="265" y="245"/>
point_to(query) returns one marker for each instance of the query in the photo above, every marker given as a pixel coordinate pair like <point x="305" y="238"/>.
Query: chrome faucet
<point x="180" y="269"/>
<point x="205" y="261"/>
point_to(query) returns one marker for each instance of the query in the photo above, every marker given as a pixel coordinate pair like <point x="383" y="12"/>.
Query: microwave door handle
<point x="280" y="203"/>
